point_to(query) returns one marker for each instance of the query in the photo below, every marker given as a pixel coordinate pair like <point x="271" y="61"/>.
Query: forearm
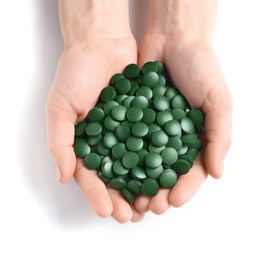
<point x="84" y="20"/>
<point x="194" y="18"/>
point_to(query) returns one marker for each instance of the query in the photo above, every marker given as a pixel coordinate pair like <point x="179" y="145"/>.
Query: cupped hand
<point x="195" y="70"/>
<point x="83" y="70"/>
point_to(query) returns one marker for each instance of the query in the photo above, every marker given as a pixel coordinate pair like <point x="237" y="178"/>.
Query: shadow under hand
<point x="63" y="204"/>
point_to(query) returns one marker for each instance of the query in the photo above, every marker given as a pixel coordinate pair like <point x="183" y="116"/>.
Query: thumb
<point x="218" y="124"/>
<point x="60" y="135"/>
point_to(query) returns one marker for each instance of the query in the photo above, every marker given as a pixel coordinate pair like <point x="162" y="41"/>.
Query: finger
<point x="122" y="211"/>
<point x="160" y="203"/>
<point x="137" y="216"/>
<point x="188" y="184"/>
<point x="141" y="203"/>
<point x="94" y="190"/>
<point x="149" y="52"/>
<point x="60" y="133"/>
<point x="218" y="125"/>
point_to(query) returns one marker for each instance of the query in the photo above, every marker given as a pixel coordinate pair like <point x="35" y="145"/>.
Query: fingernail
<point x="58" y="173"/>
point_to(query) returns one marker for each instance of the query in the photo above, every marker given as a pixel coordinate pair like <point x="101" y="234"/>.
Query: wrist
<point x="83" y="21"/>
<point x="191" y="19"/>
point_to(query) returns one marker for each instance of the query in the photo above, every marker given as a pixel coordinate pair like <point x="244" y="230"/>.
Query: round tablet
<point x="169" y="155"/>
<point x="81" y="149"/>
<point x="119" y="113"/>
<point x="115" y="77"/>
<point x="145" y="92"/>
<point x="149" y="116"/>
<point x="96" y="115"/>
<point x="108" y="93"/>
<point x="130" y="160"/>
<point x="122" y="132"/>
<point x="119" y="150"/>
<point x="110" y="140"/>
<point x="80" y="128"/>
<point x="163" y="117"/>
<point x="159" y="138"/>
<point x="134" y="143"/>
<point x="181" y="166"/>
<point x="161" y="103"/>
<point x="168" y="178"/>
<point x="172" y="128"/>
<point x="153" y="160"/>
<point x="150" y="187"/>
<point x="179" y="101"/>
<point x="92" y="161"/>
<point x="127" y="195"/>
<point x="134" y="186"/>
<point x="174" y="142"/>
<point x="140" y="101"/>
<point x="134" y="114"/>
<point x="149" y="66"/>
<point x="139" y="129"/>
<point x="117" y="183"/>
<point x="139" y="173"/>
<point x="196" y="116"/>
<point x="150" y="79"/>
<point x="93" y="128"/>
<point x="122" y="86"/>
<point x="187" y="125"/>
<point x="119" y="169"/>
<point x="131" y="71"/>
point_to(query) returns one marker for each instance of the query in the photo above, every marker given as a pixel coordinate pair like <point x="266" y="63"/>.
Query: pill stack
<point x="142" y="134"/>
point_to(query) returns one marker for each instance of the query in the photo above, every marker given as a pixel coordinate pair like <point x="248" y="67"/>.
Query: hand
<point x="93" y="53"/>
<point x="194" y="69"/>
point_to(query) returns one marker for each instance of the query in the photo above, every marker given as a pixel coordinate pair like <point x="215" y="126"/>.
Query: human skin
<point x="179" y="34"/>
<point x="98" y="43"/>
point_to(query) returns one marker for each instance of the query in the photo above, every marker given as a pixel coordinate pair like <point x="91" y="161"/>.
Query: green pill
<point x="189" y="139"/>
<point x="134" y="114"/>
<point x="107" y="169"/>
<point x="119" y="169"/>
<point x="187" y="125"/>
<point x="178" y="114"/>
<point x="159" y="138"/>
<point x="81" y="149"/>
<point x="172" y="128"/>
<point x="168" y="178"/>
<point x="102" y="150"/>
<point x="150" y="79"/>
<point x="94" y="140"/>
<point x="140" y="101"/>
<point x="163" y="117"/>
<point x="130" y="160"/>
<point x="145" y="92"/>
<point x="134" y="143"/>
<point x="122" y="132"/>
<point x="171" y="92"/>
<point x="139" y="129"/>
<point x="154" y="172"/>
<point x="159" y="91"/>
<point x="119" y="150"/>
<point x="150" y="187"/>
<point x="149" y="66"/>
<point x="92" y="161"/>
<point x="96" y="115"/>
<point x="122" y="86"/>
<point x="138" y="173"/>
<point x="108" y="93"/>
<point x="131" y="71"/>
<point x="180" y="102"/>
<point x="127" y="101"/>
<point x="115" y="77"/>
<point x="153" y="160"/>
<point x="142" y="154"/>
<point x="196" y="116"/>
<point x="181" y="166"/>
<point x="149" y="116"/>
<point x="93" y="129"/>
<point x="110" y="140"/>
<point x="118" y="183"/>
<point x="108" y="106"/>
<point x="134" y="186"/>
<point x="119" y="113"/>
<point x="134" y="87"/>
<point x="161" y="103"/>
<point x="111" y="124"/>
<point x="80" y="128"/>
<point x="127" y="195"/>
<point x="169" y="155"/>
<point x="174" y="142"/>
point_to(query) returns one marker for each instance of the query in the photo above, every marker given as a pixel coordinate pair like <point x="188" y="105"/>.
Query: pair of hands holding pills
<point x="98" y="44"/>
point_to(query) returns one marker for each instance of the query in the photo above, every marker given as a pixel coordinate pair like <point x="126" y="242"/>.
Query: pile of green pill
<point x="142" y="134"/>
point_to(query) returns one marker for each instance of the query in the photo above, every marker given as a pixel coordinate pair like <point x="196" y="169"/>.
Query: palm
<point x="81" y="75"/>
<point x="195" y="70"/>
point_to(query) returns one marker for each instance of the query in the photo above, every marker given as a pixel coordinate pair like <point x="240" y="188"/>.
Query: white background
<point x="236" y="217"/>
